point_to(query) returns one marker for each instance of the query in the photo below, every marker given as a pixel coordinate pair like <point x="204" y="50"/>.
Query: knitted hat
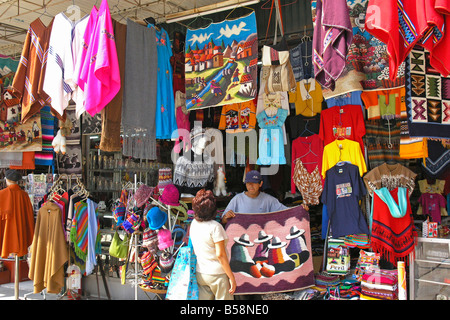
<point x="13" y="175"/>
<point x="164" y="239"/>
<point x="178" y="234"/>
<point x="170" y="196"/>
<point x="166" y="262"/>
<point x="156" y="218"/>
<point x="148" y="263"/>
<point x="143" y="194"/>
<point x="132" y="223"/>
<point x="148" y="236"/>
<point x="164" y="178"/>
<point x="119" y="213"/>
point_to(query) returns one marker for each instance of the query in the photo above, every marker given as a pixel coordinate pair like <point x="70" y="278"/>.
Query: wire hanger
<point x="45" y="13"/>
<point x="116" y="6"/>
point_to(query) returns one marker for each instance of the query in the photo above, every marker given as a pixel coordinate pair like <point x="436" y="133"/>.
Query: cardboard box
<point x="23" y="269"/>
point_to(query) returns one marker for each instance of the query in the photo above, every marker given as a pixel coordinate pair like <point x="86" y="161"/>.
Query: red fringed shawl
<point x="393" y="237"/>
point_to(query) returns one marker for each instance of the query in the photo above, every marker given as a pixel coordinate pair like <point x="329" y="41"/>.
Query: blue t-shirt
<point x="263" y="203"/>
<point x="343" y="188"/>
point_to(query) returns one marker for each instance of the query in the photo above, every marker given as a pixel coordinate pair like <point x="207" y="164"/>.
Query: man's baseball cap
<point x="253" y="176"/>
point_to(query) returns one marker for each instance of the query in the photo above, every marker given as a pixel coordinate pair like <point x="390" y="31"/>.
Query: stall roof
<point x="16" y="15"/>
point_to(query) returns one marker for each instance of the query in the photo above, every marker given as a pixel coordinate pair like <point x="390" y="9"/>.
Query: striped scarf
<point x="78" y="232"/>
<point x="45" y="157"/>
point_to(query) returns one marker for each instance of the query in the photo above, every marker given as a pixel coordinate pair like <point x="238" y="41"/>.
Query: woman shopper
<point x="214" y="276"/>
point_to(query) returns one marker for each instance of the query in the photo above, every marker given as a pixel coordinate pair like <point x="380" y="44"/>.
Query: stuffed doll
<point x="59" y="143"/>
<point x="219" y="187"/>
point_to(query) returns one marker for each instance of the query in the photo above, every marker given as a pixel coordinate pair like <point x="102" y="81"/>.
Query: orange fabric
<point x="27" y="162"/>
<point x="16" y="221"/>
<point x="29" y="78"/>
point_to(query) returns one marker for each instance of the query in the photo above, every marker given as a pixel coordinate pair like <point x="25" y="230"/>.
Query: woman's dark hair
<point x="204" y="205"/>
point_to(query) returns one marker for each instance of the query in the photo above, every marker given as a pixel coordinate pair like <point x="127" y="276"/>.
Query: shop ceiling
<point x="16" y="15"/>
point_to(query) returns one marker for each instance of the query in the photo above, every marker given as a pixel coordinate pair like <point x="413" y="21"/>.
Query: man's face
<point x="253" y="188"/>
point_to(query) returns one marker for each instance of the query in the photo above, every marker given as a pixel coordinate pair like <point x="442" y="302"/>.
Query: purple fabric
<point x="333" y="36"/>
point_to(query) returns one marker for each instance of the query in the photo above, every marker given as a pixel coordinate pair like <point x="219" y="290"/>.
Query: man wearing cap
<point x="16" y="217"/>
<point x="253" y="200"/>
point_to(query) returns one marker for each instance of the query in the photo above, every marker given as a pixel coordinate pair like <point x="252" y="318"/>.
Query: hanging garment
<point x="343" y="150"/>
<point x="45" y="157"/>
<point x="49" y="251"/>
<point x="392" y="225"/>
<point x="141" y="67"/>
<point x="59" y="82"/>
<point x="301" y="61"/>
<point x="343" y="189"/>
<point x="102" y="75"/>
<point x="238" y="117"/>
<point x="29" y="78"/>
<point x="332" y="37"/>
<point x="16" y="221"/>
<point x="432" y="203"/>
<point x="81" y="49"/>
<point x="301" y="126"/>
<point x="165" y="122"/>
<point x="271" y="144"/>
<point x="390" y="176"/>
<point x="112" y="113"/>
<point x="342" y="122"/>
<point x="309" y="152"/>
<point x="307" y="98"/>
<point x="93" y="236"/>
<point x="308" y="183"/>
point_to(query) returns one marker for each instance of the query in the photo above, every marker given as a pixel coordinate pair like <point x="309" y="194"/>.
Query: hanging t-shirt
<point x="432" y="204"/>
<point x="343" y="122"/>
<point x="343" y="188"/>
<point x="301" y="126"/>
<point x="343" y="150"/>
<point x="238" y="117"/>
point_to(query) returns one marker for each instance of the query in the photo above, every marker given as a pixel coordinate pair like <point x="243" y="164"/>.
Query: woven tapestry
<point x="367" y="66"/>
<point x="428" y="95"/>
<point x="221" y="63"/>
<point x="271" y="252"/>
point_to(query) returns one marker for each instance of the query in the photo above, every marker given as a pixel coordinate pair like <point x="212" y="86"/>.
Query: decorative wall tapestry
<point x="429" y="94"/>
<point x="71" y="162"/>
<point x="15" y="136"/>
<point x="271" y="252"/>
<point x="367" y="66"/>
<point x="221" y="63"/>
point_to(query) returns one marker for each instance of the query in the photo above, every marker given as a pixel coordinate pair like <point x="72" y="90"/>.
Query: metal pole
<point x="16" y="279"/>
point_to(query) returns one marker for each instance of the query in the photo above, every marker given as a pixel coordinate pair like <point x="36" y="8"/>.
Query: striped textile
<point x="78" y="232"/>
<point x="46" y="156"/>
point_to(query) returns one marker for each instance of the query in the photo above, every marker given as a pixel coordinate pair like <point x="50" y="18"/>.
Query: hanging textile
<point x="82" y="48"/>
<point x="28" y="81"/>
<point x="45" y="157"/>
<point x="428" y="91"/>
<point x="332" y="37"/>
<point x="165" y="122"/>
<point x="47" y="261"/>
<point x="392" y="225"/>
<point x="140" y="67"/>
<point x="221" y="63"/>
<point x="101" y="75"/>
<point x="59" y="81"/>
<point x="16" y="221"/>
<point x="112" y="114"/>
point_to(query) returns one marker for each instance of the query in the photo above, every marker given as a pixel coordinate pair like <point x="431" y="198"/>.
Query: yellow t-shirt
<point x="343" y="150"/>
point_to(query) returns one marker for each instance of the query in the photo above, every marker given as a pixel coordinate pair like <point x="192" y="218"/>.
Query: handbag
<point x="118" y="247"/>
<point x="183" y="281"/>
<point x="277" y="69"/>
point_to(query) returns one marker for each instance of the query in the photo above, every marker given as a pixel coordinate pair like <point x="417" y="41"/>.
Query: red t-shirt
<point x="342" y="121"/>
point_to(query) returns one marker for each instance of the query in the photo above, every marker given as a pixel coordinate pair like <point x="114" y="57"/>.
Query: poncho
<point x="392" y="224"/>
<point x="49" y="250"/>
